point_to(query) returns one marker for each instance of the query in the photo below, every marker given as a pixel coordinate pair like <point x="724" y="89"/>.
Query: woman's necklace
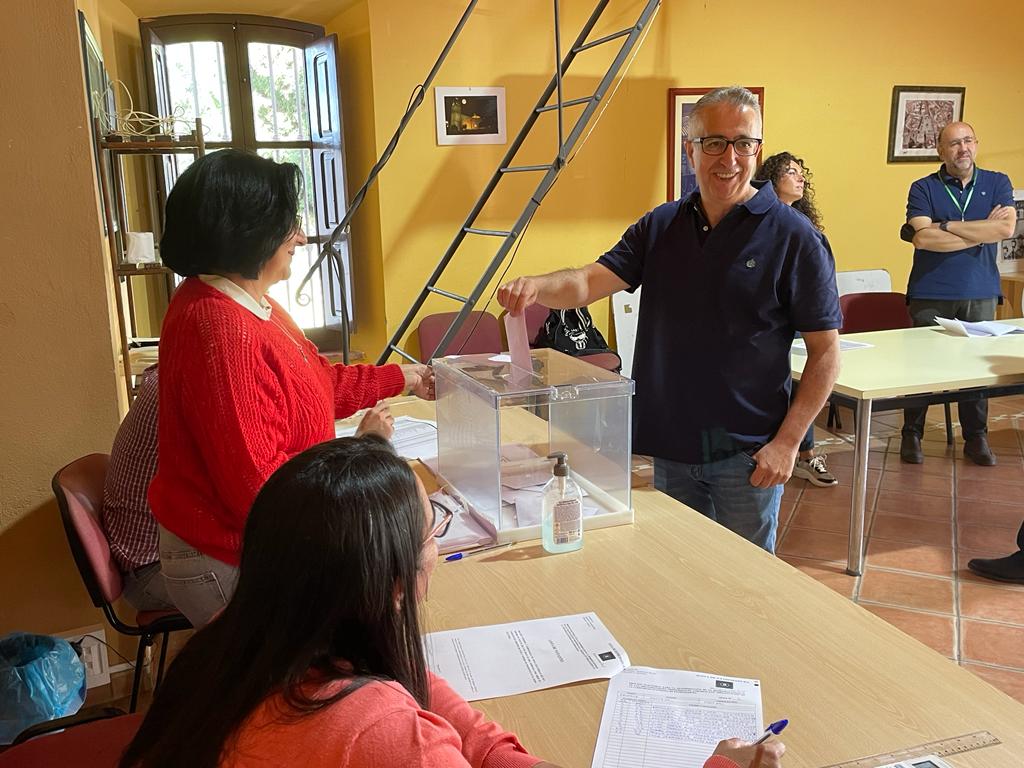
<point x="291" y="338"/>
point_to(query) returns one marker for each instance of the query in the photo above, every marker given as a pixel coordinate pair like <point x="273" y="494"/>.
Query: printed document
<point x="412" y="439"/>
<point x="669" y="718"/>
<point x="506" y="659"/>
<point x="800" y="346"/>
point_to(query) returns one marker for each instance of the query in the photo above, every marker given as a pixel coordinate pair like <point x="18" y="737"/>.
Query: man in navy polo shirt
<point x="729" y="275"/>
<point x="958" y="214"/>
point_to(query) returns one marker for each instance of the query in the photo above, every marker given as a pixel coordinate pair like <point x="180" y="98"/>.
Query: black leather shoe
<point x="910" y="450"/>
<point x="1009" y="568"/>
<point x="976" y="449"/>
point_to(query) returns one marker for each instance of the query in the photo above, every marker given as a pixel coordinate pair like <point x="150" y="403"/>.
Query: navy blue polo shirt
<point x="718" y="314"/>
<point x="971" y="273"/>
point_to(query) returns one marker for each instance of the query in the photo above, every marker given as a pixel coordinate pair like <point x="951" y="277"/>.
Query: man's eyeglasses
<point x="715" y="145"/>
<point x="442" y="520"/>
<point x="967" y="141"/>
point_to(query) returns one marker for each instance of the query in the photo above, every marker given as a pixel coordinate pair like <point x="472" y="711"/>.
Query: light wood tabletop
<point x="910" y="361"/>
<point x="678" y="591"/>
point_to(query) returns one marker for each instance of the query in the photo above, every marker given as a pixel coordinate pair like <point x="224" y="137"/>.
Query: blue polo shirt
<point x="970" y="273"/>
<point x="718" y="314"/>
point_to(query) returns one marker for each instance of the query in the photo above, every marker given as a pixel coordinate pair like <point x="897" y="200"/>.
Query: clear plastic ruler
<point x="941" y="748"/>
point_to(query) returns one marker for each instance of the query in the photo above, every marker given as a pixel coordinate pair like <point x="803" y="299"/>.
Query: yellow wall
<point x="60" y="389"/>
<point x="828" y="70"/>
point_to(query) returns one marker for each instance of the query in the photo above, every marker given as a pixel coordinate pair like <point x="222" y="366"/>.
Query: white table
<point x="914" y="367"/>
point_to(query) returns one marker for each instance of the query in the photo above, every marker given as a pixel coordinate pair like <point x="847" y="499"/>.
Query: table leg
<point x="861" y="452"/>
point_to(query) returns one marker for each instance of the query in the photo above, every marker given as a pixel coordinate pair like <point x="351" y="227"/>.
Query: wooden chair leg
<point x="949" y="424"/>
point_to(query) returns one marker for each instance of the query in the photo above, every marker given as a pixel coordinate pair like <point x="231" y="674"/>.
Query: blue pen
<point x="460" y="555"/>
<point x="772" y="730"/>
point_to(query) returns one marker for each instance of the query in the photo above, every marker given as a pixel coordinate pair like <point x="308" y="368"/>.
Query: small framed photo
<point x="470" y="115"/>
<point x="919" y="112"/>
<point x="682" y="180"/>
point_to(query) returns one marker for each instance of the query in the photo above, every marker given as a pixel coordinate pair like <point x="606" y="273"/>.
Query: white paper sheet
<point x="466" y="530"/>
<point x="800" y="346"/>
<point x="412" y="439"/>
<point x="982" y="328"/>
<point x="507" y="659"/>
<point x="669" y="718"/>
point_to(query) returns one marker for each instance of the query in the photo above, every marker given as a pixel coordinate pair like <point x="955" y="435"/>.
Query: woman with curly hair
<point x="792" y="182"/>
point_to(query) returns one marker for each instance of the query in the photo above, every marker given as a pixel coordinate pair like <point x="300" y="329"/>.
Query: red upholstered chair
<point x="86" y="740"/>
<point x="877" y="311"/>
<point x="79" y="491"/>
<point x="477" y="335"/>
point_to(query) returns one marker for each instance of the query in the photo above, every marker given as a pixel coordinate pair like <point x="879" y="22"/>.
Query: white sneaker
<point x="815" y="471"/>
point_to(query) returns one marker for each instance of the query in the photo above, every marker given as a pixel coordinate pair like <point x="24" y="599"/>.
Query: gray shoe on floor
<point x="815" y="471"/>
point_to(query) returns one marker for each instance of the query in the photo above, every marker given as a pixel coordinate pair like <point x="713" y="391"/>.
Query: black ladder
<point x="630" y="36"/>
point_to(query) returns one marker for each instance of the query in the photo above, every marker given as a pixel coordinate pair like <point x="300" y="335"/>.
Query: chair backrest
<point x="97" y="744"/>
<point x="79" y="491"/>
<point x="863" y="281"/>
<point x="874" y="312"/>
<point x="478" y="334"/>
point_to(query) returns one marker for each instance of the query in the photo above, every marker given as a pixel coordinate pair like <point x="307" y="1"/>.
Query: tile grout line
<point x="957" y="627"/>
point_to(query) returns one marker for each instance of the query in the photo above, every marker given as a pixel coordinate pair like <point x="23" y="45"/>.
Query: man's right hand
<point x="377" y="420"/>
<point x="1003" y="212"/>
<point x="518" y="294"/>
<point x="745" y="754"/>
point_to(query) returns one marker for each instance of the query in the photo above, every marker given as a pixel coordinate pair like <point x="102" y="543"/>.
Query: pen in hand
<point x="772" y="730"/>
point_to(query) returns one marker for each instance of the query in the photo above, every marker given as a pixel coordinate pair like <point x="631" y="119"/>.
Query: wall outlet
<point x="94" y="653"/>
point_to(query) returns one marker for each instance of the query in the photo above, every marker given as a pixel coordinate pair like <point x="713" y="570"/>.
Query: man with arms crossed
<point x="957" y="215"/>
<point x="729" y="275"/>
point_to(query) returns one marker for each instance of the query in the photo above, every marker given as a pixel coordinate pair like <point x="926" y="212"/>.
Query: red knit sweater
<point x="239" y="396"/>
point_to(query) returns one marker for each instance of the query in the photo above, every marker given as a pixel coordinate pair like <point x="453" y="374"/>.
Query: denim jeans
<point x="973" y="413"/>
<point x="145" y="589"/>
<point x="199" y="585"/>
<point x="807" y="444"/>
<point x="722" y="491"/>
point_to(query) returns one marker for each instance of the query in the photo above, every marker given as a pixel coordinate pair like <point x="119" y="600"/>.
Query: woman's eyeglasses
<point x="442" y="520"/>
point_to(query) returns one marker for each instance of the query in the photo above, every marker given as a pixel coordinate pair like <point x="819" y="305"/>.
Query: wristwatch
<point x="944" y="226"/>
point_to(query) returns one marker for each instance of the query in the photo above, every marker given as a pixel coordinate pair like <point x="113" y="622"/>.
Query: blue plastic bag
<point x="41" y="678"/>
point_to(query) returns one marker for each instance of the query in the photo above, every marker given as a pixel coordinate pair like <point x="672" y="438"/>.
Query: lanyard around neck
<point x="961" y="208"/>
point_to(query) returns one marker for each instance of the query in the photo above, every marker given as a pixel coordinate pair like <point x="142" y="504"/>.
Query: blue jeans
<point x="722" y="491"/>
<point x="807" y="444"/>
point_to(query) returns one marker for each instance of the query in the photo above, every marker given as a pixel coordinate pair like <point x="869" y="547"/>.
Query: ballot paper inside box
<point x="497" y="423"/>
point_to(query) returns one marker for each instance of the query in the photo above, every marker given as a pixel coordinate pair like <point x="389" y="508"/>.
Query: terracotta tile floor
<point x="924" y="523"/>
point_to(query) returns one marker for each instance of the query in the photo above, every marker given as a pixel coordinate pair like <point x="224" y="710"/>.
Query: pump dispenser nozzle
<point x="561" y="468"/>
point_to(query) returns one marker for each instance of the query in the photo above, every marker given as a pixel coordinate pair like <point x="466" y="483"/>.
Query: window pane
<point x="277" y="76"/>
<point x="307" y="314"/>
<point x="198" y="86"/>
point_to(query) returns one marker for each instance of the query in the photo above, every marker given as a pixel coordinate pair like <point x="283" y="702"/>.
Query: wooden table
<point x="915" y="367"/>
<point x="679" y="591"/>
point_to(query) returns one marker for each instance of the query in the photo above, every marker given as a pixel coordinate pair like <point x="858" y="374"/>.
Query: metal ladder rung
<point x="447" y="294"/>
<point x="602" y="40"/>
<point x="403" y="353"/>
<point x="524" y="168"/>
<point x="491" y="232"/>
<point x="570" y="103"/>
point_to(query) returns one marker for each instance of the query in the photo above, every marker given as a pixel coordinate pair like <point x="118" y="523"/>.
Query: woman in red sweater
<point x="241" y="388"/>
<point x="326" y="667"/>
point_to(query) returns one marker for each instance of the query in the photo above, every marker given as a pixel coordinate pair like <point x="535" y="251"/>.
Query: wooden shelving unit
<point x="112" y="185"/>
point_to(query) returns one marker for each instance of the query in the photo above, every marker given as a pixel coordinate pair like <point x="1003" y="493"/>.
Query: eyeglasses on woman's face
<point x="441" y="522"/>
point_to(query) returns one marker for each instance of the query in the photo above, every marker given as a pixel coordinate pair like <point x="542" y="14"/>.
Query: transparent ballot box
<point x="497" y="423"/>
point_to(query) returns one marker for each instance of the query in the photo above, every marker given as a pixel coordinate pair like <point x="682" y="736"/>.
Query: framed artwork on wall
<point x="470" y="115"/>
<point x="681" y="178"/>
<point x="918" y="113"/>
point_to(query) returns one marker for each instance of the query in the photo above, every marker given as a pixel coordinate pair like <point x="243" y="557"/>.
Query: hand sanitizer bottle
<point x="562" y="511"/>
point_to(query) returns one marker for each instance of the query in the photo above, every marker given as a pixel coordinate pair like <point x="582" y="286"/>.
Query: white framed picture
<point x="470" y="115"/>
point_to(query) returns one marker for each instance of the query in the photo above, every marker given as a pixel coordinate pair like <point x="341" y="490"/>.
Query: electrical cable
<point x="77" y="645"/>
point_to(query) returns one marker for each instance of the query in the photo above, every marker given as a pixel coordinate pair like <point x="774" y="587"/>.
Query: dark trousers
<point x="973" y="413"/>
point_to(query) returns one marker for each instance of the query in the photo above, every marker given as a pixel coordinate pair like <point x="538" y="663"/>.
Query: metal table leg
<point x="862" y="437"/>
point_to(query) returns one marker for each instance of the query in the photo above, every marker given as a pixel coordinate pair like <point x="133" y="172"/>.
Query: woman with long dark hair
<point x="241" y="387"/>
<point x="792" y="182"/>
<point x="317" y="659"/>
